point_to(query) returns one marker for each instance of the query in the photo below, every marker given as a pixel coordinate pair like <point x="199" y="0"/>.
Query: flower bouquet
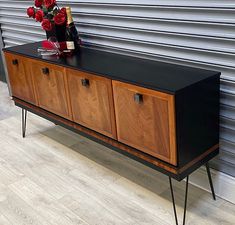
<point x="52" y="18"/>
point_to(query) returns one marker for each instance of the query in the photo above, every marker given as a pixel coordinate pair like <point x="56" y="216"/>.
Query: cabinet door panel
<point x="146" y="120"/>
<point x="20" y="78"/>
<point x="51" y="88"/>
<point x="92" y="102"/>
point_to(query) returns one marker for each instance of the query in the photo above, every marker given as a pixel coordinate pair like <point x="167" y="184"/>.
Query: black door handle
<point x="45" y="71"/>
<point x="85" y="82"/>
<point x="138" y="98"/>
<point x="15" y="62"/>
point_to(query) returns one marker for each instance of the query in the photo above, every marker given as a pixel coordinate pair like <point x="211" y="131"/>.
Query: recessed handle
<point x="15" y="62"/>
<point x="45" y="71"/>
<point x="138" y="98"/>
<point x="85" y="82"/>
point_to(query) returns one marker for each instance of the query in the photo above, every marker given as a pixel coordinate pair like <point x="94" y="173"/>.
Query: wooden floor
<point x="56" y="177"/>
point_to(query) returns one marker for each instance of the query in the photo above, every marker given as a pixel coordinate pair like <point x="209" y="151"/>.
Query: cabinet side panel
<point x="197" y="119"/>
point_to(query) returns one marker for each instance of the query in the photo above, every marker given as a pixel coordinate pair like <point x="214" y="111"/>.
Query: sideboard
<point x="163" y="115"/>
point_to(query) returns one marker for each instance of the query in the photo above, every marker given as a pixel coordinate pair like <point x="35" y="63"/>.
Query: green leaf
<point x="44" y="9"/>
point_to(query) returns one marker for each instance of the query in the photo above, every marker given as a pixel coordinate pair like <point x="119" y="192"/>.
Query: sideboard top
<point x="155" y="75"/>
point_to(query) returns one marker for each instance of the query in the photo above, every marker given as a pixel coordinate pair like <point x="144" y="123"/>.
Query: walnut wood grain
<point x="51" y="87"/>
<point x="20" y="78"/>
<point x="148" y="125"/>
<point x="92" y="101"/>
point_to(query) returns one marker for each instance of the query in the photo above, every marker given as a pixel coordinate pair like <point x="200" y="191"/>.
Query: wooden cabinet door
<point x="51" y="88"/>
<point x="92" y="102"/>
<point x="146" y="120"/>
<point x="20" y="78"/>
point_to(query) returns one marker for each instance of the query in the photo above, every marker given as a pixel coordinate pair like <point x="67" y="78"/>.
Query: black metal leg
<point x="24" y="118"/>
<point x="210" y="180"/>
<point x="185" y="201"/>
<point x="173" y="201"/>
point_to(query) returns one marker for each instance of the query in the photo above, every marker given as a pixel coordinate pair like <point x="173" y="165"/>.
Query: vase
<point x="57" y="31"/>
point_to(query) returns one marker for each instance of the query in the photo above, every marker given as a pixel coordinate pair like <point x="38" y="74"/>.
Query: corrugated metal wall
<point x="2" y="71"/>
<point x="197" y="33"/>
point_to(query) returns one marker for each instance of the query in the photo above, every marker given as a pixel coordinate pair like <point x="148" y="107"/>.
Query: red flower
<point x="49" y="3"/>
<point x="63" y="10"/>
<point x="60" y="18"/>
<point x="31" y="12"/>
<point x="39" y="16"/>
<point x="38" y="3"/>
<point x="46" y="24"/>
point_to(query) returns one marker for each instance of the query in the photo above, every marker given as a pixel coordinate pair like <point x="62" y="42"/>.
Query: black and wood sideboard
<point x="163" y="115"/>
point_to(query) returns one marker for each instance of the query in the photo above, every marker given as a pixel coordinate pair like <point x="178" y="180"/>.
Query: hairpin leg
<point x="173" y="201"/>
<point x="210" y="180"/>
<point x="24" y="117"/>
<point x="185" y="201"/>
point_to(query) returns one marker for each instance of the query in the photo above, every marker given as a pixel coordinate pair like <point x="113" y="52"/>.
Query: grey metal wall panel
<point x="199" y="33"/>
<point x="2" y="71"/>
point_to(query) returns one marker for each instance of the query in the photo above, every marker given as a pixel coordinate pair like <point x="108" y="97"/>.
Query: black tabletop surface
<point x="166" y="77"/>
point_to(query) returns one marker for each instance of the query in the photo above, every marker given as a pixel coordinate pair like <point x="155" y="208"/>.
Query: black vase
<point x="57" y="31"/>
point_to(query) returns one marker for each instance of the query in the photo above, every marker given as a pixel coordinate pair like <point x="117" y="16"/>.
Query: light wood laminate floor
<point x="56" y="177"/>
